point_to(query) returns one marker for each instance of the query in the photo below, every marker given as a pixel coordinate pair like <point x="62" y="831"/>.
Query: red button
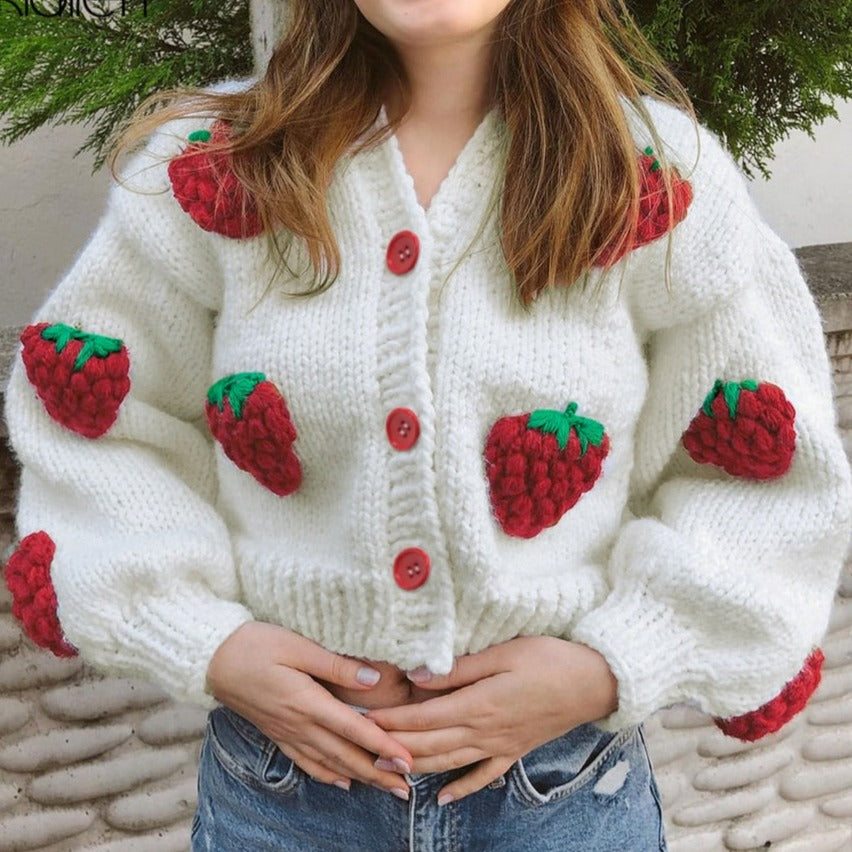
<point x="403" y="428"/>
<point x="403" y="251"/>
<point x="411" y="568"/>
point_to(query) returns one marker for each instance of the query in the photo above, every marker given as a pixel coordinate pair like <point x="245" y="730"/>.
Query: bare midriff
<point x="393" y="689"/>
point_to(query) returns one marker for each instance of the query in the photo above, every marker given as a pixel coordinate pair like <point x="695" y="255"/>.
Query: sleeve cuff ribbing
<point x="169" y="640"/>
<point x="644" y="647"/>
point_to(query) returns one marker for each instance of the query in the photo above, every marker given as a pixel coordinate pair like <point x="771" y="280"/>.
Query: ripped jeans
<point x="586" y="791"/>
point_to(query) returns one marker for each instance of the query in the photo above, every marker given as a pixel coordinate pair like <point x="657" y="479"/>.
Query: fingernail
<point x="367" y="676"/>
<point x="446" y="798"/>
<point x="396" y="764"/>
<point x="400" y="793"/>
<point x="419" y="675"/>
<point x="344" y="785"/>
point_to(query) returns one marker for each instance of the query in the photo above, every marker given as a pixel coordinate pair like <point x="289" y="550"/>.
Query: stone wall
<point x="95" y="763"/>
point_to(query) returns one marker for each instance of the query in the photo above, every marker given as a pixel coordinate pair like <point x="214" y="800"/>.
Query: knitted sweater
<point x="409" y="467"/>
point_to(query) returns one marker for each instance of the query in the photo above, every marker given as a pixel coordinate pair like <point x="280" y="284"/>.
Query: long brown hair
<point x="561" y="69"/>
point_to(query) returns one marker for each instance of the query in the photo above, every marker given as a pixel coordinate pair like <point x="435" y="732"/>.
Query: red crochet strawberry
<point x="745" y="428"/>
<point x="207" y="188"/>
<point x="776" y="713"/>
<point x="33" y="598"/>
<point x="81" y="378"/>
<point x="655" y="220"/>
<point x="248" y="416"/>
<point x="540" y="464"/>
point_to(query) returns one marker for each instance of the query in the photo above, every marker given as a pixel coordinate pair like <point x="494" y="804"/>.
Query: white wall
<point x="809" y="198"/>
<point x="50" y="202"/>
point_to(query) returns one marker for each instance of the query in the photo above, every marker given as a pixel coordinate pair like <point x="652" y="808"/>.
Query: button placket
<point x="416" y="554"/>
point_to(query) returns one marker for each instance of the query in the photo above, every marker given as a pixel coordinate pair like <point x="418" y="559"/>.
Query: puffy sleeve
<point x="105" y="410"/>
<point x="722" y="578"/>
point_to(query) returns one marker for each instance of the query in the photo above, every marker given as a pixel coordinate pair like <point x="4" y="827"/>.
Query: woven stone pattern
<point x="107" y="764"/>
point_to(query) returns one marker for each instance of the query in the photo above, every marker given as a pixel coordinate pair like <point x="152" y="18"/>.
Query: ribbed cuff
<point x="642" y="639"/>
<point x="645" y="649"/>
<point x="172" y="639"/>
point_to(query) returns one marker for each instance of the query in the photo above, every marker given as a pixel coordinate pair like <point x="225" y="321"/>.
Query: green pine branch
<point x="756" y="70"/>
<point x="72" y="69"/>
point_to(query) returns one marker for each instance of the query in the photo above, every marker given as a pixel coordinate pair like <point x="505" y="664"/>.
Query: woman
<point x="533" y="437"/>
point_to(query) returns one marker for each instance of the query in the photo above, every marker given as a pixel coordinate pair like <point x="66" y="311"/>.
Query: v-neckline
<point x="473" y="145"/>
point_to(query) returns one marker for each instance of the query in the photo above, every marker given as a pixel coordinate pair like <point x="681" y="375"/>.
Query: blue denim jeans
<point x="586" y="791"/>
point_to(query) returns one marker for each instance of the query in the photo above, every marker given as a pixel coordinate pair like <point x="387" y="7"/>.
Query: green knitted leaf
<point x="551" y="422"/>
<point x="588" y="431"/>
<point x="732" y="398"/>
<point x="100" y="347"/>
<point x="561" y="423"/>
<point x="199" y="136"/>
<point x="655" y="166"/>
<point x="93" y="344"/>
<point x="237" y="388"/>
<point x="707" y="405"/>
<point x="61" y="335"/>
<point x="731" y="392"/>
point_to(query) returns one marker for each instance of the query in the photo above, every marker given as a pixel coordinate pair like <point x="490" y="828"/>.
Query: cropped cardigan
<point x="408" y="466"/>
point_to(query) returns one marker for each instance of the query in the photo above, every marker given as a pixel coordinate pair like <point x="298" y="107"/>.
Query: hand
<point x="264" y="672"/>
<point x="511" y="698"/>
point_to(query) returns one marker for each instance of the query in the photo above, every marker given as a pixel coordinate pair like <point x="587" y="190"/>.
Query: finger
<point x="307" y="763"/>
<point x="313" y="659"/>
<point x="341" y="756"/>
<point x="485" y="772"/>
<point x="445" y="711"/>
<point x="449" y="760"/>
<point x="466" y="669"/>
<point x="440" y="741"/>
<point x="340" y="718"/>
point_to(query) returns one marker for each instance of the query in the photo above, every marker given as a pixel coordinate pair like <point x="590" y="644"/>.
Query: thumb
<point x="466" y="670"/>
<point x="309" y="657"/>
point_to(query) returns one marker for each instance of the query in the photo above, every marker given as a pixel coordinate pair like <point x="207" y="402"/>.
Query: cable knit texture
<point x="696" y="585"/>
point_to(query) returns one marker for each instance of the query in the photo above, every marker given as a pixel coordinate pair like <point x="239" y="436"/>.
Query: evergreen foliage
<point x="756" y="70"/>
<point x="58" y="66"/>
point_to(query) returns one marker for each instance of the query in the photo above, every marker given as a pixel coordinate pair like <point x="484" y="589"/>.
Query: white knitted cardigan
<point x="696" y="585"/>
